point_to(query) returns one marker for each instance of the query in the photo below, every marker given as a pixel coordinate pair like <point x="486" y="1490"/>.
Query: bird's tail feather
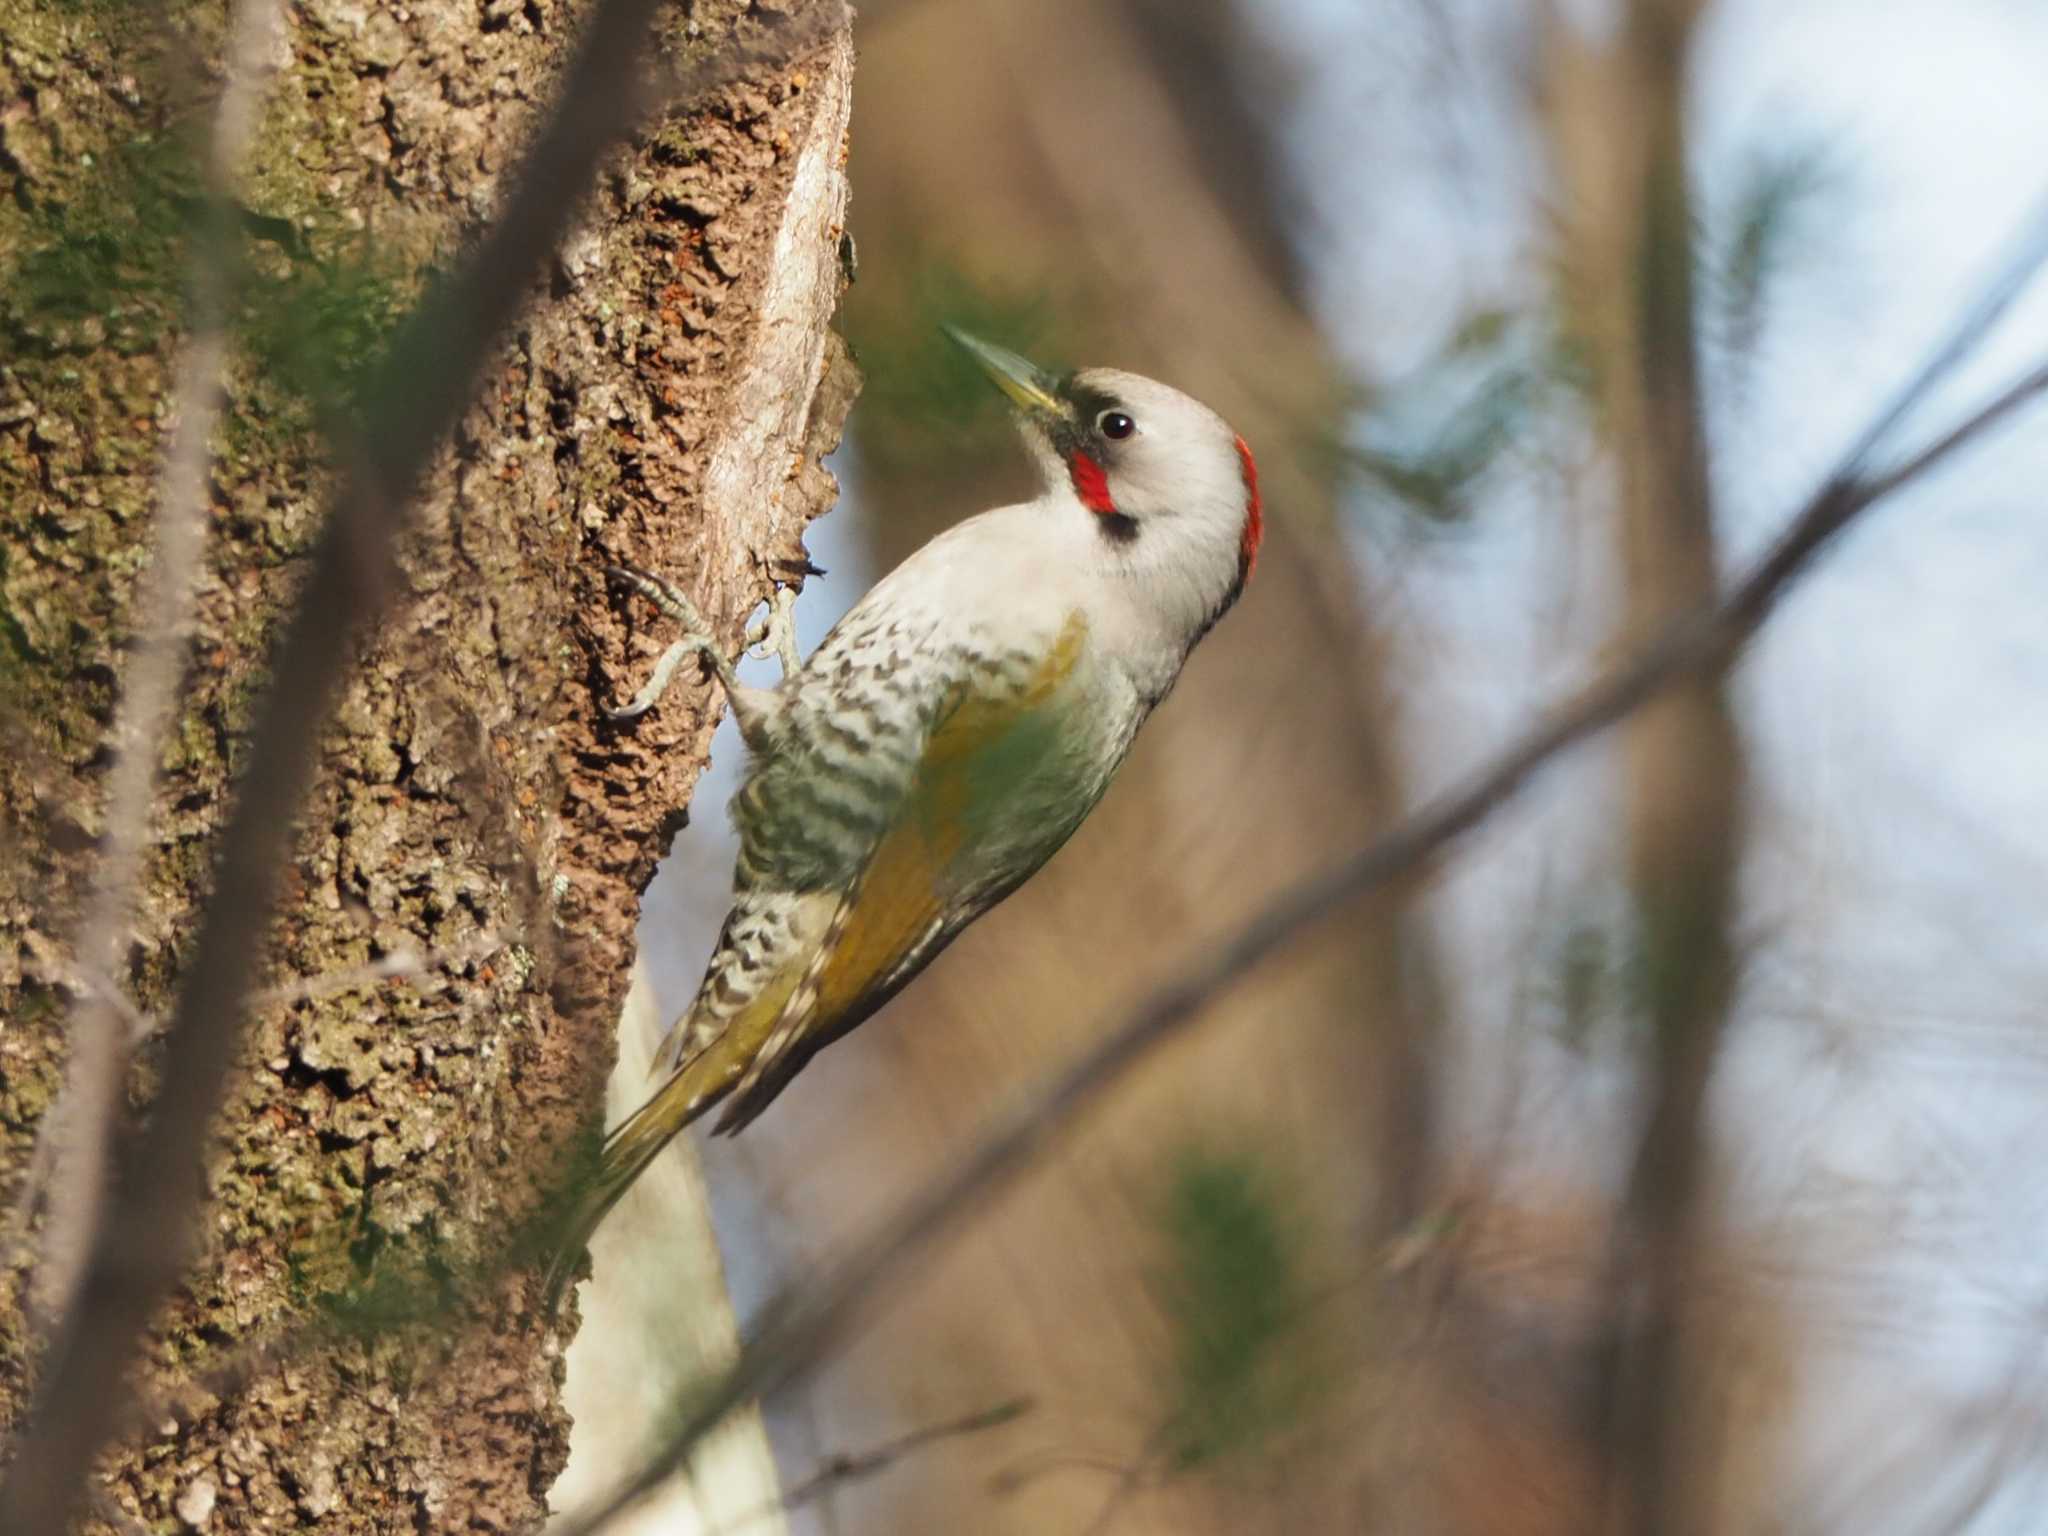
<point x="627" y="1152"/>
<point x="701" y="1083"/>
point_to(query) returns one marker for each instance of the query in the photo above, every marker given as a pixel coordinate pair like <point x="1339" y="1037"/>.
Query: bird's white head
<point x="1166" y="492"/>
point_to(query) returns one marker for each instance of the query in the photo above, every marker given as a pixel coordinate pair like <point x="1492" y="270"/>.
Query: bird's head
<point x="1165" y="483"/>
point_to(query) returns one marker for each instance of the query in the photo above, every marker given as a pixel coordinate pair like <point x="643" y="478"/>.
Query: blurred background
<point x="1672" y="1158"/>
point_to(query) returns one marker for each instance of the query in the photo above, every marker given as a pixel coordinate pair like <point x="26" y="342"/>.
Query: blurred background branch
<point x="84" y="1122"/>
<point x="1617" y="112"/>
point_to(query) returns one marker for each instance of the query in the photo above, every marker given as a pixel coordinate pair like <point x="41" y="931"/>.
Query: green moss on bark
<point x="379" y="1142"/>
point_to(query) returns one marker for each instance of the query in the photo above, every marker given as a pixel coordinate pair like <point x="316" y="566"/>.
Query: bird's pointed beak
<point x="1029" y="387"/>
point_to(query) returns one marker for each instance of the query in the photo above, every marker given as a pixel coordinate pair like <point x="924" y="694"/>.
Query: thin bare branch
<point x="803" y="1322"/>
<point x="855" y="1466"/>
<point x="1134" y="1480"/>
<point x="2022" y="264"/>
<point x="224" y="1377"/>
<point x="97" y="988"/>
<point x="140" y="1245"/>
<point x="81" y="1126"/>
<point x="399" y="965"/>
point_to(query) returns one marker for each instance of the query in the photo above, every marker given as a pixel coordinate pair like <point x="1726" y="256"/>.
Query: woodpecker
<point x="946" y="738"/>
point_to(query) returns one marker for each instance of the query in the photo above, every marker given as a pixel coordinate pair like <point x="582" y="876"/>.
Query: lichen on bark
<point x="380" y="1141"/>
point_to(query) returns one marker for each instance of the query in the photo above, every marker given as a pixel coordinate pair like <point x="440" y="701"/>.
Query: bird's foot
<point x="695" y="640"/>
<point x="774" y="633"/>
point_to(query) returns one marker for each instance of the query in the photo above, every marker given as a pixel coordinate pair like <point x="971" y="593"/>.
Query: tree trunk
<point x="1618" y="115"/>
<point x="663" y="404"/>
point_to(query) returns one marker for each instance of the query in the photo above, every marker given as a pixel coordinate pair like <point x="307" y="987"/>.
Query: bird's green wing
<point x="901" y="909"/>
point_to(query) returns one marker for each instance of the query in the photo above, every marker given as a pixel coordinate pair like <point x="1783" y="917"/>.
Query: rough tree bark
<point x="665" y="403"/>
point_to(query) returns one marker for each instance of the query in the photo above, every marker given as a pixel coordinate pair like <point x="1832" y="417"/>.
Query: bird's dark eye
<point x="1115" y="425"/>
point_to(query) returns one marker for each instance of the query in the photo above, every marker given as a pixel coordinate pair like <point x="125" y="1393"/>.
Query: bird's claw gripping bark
<point x="756" y="709"/>
<point x="774" y="633"/>
<point x="695" y="640"/>
<point x="664" y="594"/>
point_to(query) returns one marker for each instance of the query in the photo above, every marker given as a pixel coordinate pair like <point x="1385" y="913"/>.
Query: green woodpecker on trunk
<point x="946" y="738"/>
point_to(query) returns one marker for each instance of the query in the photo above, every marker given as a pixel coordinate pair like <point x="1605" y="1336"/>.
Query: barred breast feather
<point x="912" y="785"/>
<point x="907" y="790"/>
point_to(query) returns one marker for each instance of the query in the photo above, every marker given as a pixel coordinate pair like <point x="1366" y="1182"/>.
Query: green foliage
<point x="1430" y="441"/>
<point x="111" y="253"/>
<point x="358" y="1281"/>
<point x="1609" y="979"/>
<point x="1772" y="213"/>
<point x="924" y="402"/>
<point x="1504" y="379"/>
<point x="319" y="330"/>
<point x="390" y="1297"/>
<point x="1589" y="985"/>
<point x="110" y="263"/>
<point x="1233" y="1287"/>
